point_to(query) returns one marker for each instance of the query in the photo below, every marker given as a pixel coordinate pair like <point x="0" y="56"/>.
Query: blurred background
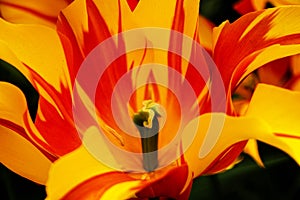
<point x="280" y="179"/>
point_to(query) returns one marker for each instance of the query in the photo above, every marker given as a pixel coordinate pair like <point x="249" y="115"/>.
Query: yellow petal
<point x="37" y="47"/>
<point x="32" y="11"/>
<point x="204" y="148"/>
<point x="279" y="107"/>
<point x="85" y="176"/>
<point x="273" y="117"/>
<point x="281" y="110"/>
<point x="43" y="65"/>
<point x="80" y="166"/>
<point x="22" y="157"/>
<point x="161" y="14"/>
<point x="16" y="152"/>
<point x="75" y="168"/>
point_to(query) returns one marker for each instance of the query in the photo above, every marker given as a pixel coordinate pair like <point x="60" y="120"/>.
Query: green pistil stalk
<point x="147" y="123"/>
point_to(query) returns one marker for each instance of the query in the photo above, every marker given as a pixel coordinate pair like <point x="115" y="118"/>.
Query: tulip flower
<point x="125" y="111"/>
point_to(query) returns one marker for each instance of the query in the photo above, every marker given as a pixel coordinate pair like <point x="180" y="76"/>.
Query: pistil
<point x="146" y="121"/>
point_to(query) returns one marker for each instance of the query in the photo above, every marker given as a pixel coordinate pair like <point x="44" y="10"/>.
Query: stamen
<point x="146" y="121"/>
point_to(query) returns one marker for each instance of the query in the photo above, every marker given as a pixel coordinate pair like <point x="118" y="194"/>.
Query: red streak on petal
<point x="21" y="131"/>
<point x="62" y="100"/>
<point x="132" y="4"/>
<point x="287" y="136"/>
<point x="14" y="127"/>
<point x="226" y="158"/>
<point x="98" y="29"/>
<point x="70" y="45"/>
<point x="174" y="61"/>
<point x="58" y="127"/>
<point x="31" y="11"/>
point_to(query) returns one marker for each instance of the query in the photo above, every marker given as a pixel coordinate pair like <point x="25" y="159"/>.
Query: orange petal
<point x="32" y="12"/>
<point x="18" y="152"/>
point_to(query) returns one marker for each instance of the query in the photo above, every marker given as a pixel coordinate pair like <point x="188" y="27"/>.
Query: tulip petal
<point x="98" y="180"/>
<point x="254" y="40"/>
<point x="273" y="117"/>
<point x="108" y="186"/>
<point x="76" y="163"/>
<point x="45" y="67"/>
<point x="32" y="12"/>
<point x="40" y="58"/>
<point x="22" y="157"/>
<point x="278" y="107"/>
<point x="18" y="152"/>
<point x="16" y="116"/>
<point x="79" y="26"/>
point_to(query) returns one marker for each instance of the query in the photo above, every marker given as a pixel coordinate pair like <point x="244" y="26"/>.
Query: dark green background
<point x="246" y="181"/>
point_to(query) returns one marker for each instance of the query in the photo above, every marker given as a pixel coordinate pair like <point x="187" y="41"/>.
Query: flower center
<point x="146" y="121"/>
